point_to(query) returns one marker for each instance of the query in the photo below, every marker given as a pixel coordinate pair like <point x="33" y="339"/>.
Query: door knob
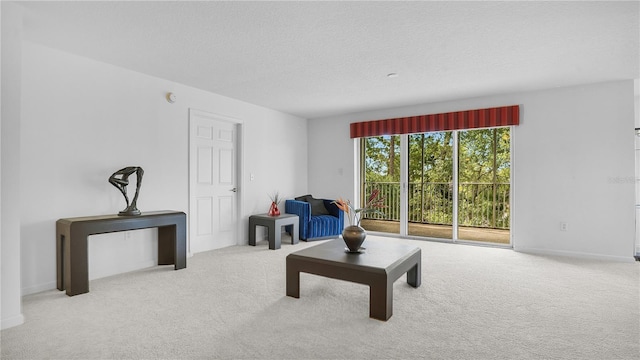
<point x="234" y="190"/>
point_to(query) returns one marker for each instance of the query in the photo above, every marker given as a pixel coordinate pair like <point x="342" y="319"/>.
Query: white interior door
<point x="213" y="182"/>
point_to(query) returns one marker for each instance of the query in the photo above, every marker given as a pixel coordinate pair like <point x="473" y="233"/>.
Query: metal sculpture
<point x="120" y="179"/>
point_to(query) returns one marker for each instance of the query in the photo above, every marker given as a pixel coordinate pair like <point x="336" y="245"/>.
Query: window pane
<point x="430" y="185"/>
<point x="381" y="159"/>
<point x="484" y="185"/>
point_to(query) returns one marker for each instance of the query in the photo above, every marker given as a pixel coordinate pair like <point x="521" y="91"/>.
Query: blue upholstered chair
<point x="319" y="218"/>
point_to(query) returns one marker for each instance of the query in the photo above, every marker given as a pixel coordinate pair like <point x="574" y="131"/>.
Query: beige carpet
<point x="474" y="303"/>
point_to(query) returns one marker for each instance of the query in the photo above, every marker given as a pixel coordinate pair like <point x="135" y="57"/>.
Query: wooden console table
<point x="72" y="235"/>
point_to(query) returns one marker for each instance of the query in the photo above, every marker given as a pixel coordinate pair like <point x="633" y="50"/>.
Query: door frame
<point x="239" y="123"/>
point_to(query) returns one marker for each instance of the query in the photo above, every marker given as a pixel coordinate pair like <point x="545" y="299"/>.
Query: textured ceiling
<point x="316" y="59"/>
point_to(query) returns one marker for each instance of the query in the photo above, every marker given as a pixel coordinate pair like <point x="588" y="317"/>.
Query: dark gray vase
<point x="353" y="236"/>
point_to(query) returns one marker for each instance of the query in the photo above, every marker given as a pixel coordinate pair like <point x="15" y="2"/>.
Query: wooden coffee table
<point x="379" y="266"/>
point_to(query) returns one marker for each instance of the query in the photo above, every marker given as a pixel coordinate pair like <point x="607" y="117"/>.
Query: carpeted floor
<point x="474" y="303"/>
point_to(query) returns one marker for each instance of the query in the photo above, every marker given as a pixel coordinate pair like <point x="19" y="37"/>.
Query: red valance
<point x="458" y="120"/>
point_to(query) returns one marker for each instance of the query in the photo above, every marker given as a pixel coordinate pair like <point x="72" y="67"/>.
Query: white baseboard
<point x="97" y="275"/>
<point x="12" y="321"/>
<point x="122" y="268"/>
<point x="575" y="254"/>
<point x="39" y="288"/>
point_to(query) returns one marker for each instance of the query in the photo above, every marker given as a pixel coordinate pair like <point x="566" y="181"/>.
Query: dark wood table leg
<point x="60" y="241"/>
<point x="167" y="245"/>
<point x="381" y="299"/>
<point x="252" y="232"/>
<point x="295" y="238"/>
<point x="275" y="237"/>
<point x="293" y="279"/>
<point x="413" y="275"/>
<point x="76" y="271"/>
<point x="180" y="243"/>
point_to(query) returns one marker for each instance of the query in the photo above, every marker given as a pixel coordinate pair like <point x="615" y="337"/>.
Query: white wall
<point x="10" y="309"/>
<point x="636" y="84"/>
<point x="573" y="162"/>
<point x="83" y="119"/>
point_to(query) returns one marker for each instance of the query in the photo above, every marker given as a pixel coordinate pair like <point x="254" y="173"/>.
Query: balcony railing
<point x="479" y="204"/>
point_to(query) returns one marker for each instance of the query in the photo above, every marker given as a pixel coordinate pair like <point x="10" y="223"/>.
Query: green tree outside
<point x="483" y="173"/>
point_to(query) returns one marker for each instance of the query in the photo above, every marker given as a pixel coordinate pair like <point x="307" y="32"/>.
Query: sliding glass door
<point x="484" y="173"/>
<point x="456" y="186"/>
<point x="430" y="191"/>
<point x="380" y="159"/>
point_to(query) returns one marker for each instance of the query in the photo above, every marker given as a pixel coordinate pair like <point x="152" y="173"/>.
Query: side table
<point x="274" y="224"/>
